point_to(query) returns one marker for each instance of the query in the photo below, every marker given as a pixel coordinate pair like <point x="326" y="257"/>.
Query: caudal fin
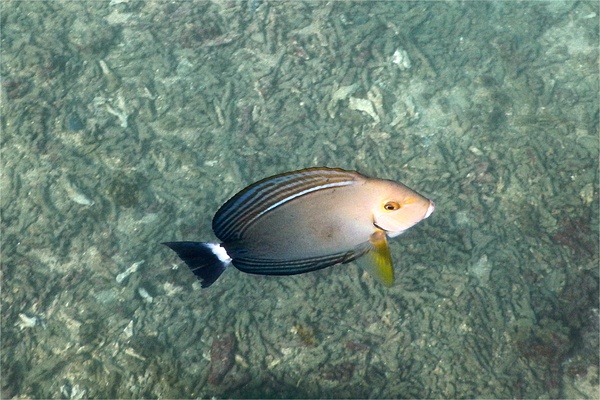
<point x="206" y="260"/>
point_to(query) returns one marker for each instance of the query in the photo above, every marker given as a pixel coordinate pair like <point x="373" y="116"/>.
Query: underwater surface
<point x="129" y="123"/>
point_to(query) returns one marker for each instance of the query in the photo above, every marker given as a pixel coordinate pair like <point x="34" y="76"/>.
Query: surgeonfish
<point x="306" y="220"/>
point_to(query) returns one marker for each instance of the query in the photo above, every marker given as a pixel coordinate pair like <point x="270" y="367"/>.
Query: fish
<point x="306" y="220"/>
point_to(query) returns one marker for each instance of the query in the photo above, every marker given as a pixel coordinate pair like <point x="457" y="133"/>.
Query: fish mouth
<point x="430" y="209"/>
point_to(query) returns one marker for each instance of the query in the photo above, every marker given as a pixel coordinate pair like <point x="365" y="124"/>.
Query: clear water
<point x="125" y="124"/>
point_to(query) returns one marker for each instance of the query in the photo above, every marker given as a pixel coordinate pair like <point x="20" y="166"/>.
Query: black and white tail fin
<point x="206" y="260"/>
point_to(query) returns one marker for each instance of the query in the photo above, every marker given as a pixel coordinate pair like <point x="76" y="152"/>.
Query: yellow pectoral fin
<point x="379" y="260"/>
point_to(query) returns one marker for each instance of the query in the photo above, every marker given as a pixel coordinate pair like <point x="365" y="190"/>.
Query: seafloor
<point x="128" y="123"/>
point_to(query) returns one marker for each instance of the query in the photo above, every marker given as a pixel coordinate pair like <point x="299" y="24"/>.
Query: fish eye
<point x="391" y="205"/>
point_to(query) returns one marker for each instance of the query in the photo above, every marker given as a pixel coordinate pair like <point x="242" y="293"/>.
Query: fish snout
<point x="430" y="209"/>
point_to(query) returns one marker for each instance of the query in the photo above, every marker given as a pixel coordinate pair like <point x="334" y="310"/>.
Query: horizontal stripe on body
<point x="234" y="217"/>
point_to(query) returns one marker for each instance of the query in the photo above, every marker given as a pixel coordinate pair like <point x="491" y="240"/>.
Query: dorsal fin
<point x="247" y="206"/>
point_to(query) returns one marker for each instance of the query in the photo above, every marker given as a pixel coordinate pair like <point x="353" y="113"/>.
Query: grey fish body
<point x="323" y="232"/>
<point x="306" y="220"/>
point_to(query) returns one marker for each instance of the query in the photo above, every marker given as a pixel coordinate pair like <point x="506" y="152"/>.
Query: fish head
<point x="397" y="207"/>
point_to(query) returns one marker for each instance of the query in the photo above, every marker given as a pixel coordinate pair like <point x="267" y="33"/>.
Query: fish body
<point x="306" y="220"/>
